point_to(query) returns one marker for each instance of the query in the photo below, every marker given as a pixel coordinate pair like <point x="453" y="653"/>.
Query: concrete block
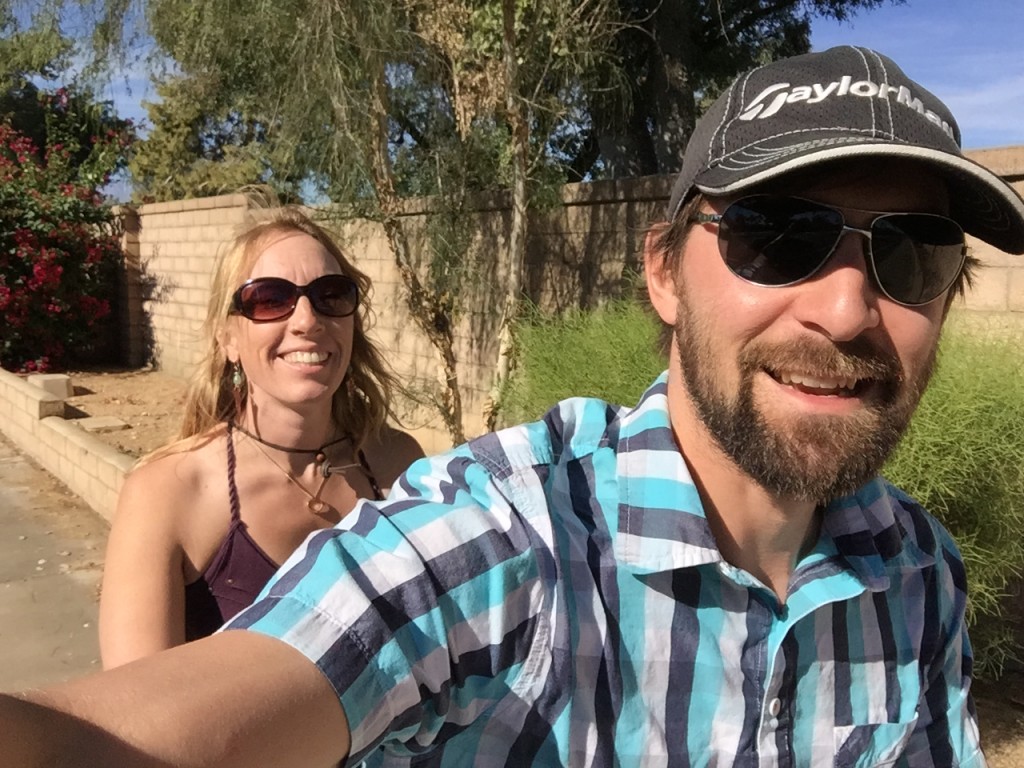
<point x="989" y="255"/>
<point x="110" y="474"/>
<point x="57" y="384"/>
<point x="80" y="478"/>
<point x="990" y="291"/>
<point x="102" y="424"/>
<point x="1017" y="290"/>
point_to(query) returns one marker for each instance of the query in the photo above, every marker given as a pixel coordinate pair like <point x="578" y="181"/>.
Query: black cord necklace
<point x="318" y="453"/>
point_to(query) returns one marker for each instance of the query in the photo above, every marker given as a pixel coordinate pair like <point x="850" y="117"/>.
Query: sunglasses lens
<point x="334" y="295"/>
<point x="274" y="298"/>
<point x="777" y="240"/>
<point x="266" y="299"/>
<point x="916" y="256"/>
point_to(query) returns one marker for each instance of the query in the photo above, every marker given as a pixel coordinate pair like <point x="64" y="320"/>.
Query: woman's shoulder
<point x="183" y="464"/>
<point x="175" y="503"/>
<point x="390" y="452"/>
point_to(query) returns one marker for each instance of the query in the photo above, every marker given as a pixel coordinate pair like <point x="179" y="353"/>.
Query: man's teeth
<point x="810" y="382"/>
<point x="308" y="358"/>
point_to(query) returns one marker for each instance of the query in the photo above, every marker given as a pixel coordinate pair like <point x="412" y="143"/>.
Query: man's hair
<point x="666" y="239"/>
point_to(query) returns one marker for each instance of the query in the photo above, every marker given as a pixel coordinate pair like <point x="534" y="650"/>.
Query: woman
<point x="284" y="429"/>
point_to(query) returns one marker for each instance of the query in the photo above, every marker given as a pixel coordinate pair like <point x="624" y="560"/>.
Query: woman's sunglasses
<point x="265" y="299"/>
<point x="779" y="241"/>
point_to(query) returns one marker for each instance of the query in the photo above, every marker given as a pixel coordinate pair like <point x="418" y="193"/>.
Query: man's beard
<point x="812" y="457"/>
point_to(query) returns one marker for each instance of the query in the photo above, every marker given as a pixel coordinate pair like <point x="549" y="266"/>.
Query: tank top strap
<point x="236" y="512"/>
<point x="378" y="495"/>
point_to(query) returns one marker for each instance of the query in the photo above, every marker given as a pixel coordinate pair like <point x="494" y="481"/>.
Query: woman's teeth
<point x="308" y="358"/>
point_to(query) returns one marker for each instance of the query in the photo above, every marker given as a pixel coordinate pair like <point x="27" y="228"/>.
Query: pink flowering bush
<point x="59" y="253"/>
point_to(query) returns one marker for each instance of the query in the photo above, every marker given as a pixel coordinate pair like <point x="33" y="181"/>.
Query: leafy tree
<point x="374" y="100"/>
<point x="677" y="56"/>
<point x="38" y="49"/>
<point x="524" y="66"/>
<point x="200" y="146"/>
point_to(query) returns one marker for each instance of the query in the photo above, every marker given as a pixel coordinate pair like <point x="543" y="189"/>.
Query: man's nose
<point x="841" y="300"/>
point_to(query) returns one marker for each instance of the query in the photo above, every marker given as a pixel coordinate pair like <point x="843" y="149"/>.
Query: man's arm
<point x="234" y="699"/>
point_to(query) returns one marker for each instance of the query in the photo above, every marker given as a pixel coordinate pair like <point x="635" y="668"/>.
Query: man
<point x="715" y="577"/>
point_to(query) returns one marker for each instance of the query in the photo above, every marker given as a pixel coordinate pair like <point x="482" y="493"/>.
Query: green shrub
<point x="59" y="253"/>
<point x="608" y="353"/>
<point x="962" y="458"/>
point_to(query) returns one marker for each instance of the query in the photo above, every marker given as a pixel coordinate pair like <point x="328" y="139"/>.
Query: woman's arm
<point x="142" y="606"/>
<point x="235" y="699"/>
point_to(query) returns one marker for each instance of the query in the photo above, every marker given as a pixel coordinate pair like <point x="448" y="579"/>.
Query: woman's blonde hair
<point x="362" y="403"/>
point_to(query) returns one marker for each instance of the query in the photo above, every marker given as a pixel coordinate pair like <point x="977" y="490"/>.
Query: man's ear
<point x="660" y="276"/>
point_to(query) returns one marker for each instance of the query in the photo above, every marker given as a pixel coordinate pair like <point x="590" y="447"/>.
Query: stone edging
<point x="33" y="419"/>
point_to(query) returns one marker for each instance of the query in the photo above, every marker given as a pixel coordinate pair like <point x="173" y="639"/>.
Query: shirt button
<point x="775" y="707"/>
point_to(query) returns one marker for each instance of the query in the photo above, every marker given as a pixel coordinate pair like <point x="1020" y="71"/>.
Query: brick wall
<point x="170" y="255"/>
<point x="578" y="256"/>
<point x="33" y="419"/>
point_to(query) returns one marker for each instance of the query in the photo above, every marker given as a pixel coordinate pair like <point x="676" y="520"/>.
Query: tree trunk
<point x="670" y="92"/>
<point x="425" y="309"/>
<point x="516" y="251"/>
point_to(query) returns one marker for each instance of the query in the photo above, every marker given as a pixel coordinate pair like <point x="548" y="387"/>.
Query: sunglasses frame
<point x="298" y="291"/>
<point x="717" y="219"/>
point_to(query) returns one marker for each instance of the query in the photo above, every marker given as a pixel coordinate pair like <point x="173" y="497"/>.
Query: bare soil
<point x="150" y="403"/>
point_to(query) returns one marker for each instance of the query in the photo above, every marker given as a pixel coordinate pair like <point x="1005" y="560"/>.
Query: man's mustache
<point x="859" y="358"/>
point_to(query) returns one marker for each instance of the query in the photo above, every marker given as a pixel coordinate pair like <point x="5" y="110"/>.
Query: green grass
<point x="962" y="458"/>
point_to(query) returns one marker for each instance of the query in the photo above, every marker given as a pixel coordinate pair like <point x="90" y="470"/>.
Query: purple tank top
<point x="239" y="569"/>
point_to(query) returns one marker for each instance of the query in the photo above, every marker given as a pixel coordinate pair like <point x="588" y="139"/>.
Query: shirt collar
<point x="662" y="525"/>
<point x="661" y="522"/>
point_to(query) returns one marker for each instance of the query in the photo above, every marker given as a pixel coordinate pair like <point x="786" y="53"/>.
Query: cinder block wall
<point x="579" y="255"/>
<point x="997" y="298"/>
<point x="34" y="420"/>
<point x="170" y="259"/>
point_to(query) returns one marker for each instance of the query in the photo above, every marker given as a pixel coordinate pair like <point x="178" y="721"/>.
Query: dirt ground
<point x="150" y="403"/>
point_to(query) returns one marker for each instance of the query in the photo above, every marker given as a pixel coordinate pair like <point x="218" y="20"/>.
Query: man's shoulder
<point x="573" y="428"/>
<point x="919" y="530"/>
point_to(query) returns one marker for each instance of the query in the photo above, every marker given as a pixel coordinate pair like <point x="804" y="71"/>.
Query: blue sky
<point x="969" y="53"/>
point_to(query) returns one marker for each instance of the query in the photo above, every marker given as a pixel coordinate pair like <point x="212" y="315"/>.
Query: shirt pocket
<point x="871" y="746"/>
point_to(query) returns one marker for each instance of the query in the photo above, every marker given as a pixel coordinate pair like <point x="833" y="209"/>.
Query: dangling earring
<point x="237" y="381"/>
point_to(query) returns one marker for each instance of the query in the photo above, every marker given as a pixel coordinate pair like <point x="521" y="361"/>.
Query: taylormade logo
<point x="774" y="97"/>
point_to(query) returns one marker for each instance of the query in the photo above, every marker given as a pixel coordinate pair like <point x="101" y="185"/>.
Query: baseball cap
<point x="843" y="103"/>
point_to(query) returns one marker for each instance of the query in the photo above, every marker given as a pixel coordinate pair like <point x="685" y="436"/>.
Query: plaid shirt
<point x="552" y="595"/>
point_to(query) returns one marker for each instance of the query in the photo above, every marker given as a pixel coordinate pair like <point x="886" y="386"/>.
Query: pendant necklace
<point x="315" y="504"/>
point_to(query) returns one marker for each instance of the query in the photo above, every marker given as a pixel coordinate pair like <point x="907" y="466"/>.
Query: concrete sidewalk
<point x="51" y="561"/>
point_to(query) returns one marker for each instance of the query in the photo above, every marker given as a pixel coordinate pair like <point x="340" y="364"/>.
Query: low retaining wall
<point x="33" y="419"/>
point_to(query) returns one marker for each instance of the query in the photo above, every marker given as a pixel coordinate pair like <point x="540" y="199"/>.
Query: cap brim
<point x="980" y="201"/>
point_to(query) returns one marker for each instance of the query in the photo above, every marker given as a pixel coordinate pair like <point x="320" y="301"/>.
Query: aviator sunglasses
<point x="779" y="241"/>
<point x="264" y="299"/>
